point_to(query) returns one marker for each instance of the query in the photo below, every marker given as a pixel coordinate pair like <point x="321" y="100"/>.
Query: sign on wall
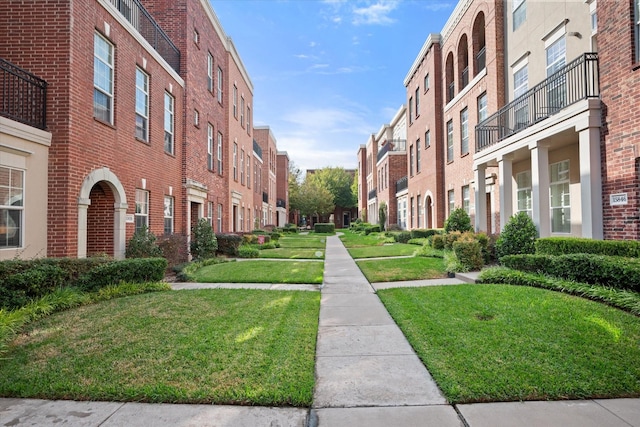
<point x="618" y="199"/>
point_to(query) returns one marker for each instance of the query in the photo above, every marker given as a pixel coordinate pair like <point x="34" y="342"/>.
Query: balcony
<point x="373" y="193"/>
<point x="576" y="81"/>
<point x="265" y="197"/>
<point x="481" y="60"/>
<point x="392" y="145"/>
<point x="451" y="91"/>
<point x="257" y="149"/>
<point x="23" y="96"/>
<point x="402" y="184"/>
<point x="281" y="203"/>
<point x="137" y="15"/>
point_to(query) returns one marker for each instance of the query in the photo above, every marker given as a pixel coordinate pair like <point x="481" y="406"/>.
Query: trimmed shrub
<point x="437" y="241"/>
<point x="228" y="244"/>
<point x="459" y="220"/>
<point x="517" y="237"/>
<point x="143" y="245"/>
<point x="371" y="229"/>
<point x="326" y="227"/>
<point x="424" y="232"/>
<point x="450" y="239"/>
<point x="531" y="263"/>
<point x="429" y="252"/>
<point x="394" y="227"/>
<point x="275" y="236"/>
<point x="574" y="245"/>
<point x="203" y="241"/>
<point x="469" y="252"/>
<point x="174" y="249"/>
<point x="134" y="270"/>
<point x="418" y="242"/>
<point x="246" y="251"/>
<point x="452" y="264"/>
<point x="402" y="237"/>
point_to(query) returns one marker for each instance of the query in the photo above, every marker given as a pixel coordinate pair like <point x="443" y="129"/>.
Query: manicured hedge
<point x="617" y="272"/>
<point x="228" y="244"/>
<point x="424" y="232"/>
<point x="574" y="245"/>
<point x="324" y="227"/>
<point x="133" y="270"/>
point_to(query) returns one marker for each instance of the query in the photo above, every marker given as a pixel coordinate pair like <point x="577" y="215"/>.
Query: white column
<point x="481" y="197"/>
<point x="119" y="230"/>
<point x="540" y="188"/>
<point x="83" y="207"/>
<point x="505" y="175"/>
<point x="591" y="183"/>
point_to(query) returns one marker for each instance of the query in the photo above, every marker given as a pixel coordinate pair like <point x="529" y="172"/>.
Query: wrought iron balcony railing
<point x="574" y="82"/>
<point x="392" y="145"/>
<point x="138" y="16"/>
<point x="23" y="96"/>
<point x="280" y="203"/>
<point x="373" y="193"/>
<point x="265" y="197"/>
<point x="481" y="60"/>
<point x="402" y="184"/>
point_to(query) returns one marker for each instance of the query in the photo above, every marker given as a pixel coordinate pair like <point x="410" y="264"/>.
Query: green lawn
<point x="259" y="271"/>
<point x="391" y="249"/>
<point x="292" y="253"/>
<point x="208" y="346"/>
<point x="393" y="270"/>
<point x="304" y="241"/>
<point x="354" y="240"/>
<point x="508" y="343"/>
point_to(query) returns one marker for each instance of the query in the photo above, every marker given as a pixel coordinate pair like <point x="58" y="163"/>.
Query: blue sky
<point x="328" y="73"/>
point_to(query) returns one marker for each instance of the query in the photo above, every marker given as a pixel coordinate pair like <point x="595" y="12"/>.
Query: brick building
<point x="268" y="144"/>
<point x="282" y="190"/>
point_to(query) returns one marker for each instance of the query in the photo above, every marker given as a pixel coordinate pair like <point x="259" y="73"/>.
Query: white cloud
<point x="375" y="14"/>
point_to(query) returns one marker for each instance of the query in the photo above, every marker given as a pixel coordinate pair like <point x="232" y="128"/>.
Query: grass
<point x="393" y="270"/>
<point x="207" y="346"/>
<point x="354" y="240"/>
<point x="508" y="343"/>
<point x="292" y="253"/>
<point x="304" y="241"/>
<point x="259" y="271"/>
<point x="395" y="249"/>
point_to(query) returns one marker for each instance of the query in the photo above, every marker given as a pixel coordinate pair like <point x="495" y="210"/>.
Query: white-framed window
<point x="219" y="93"/>
<point x="419" y="211"/>
<point x="241" y="219"/>
<point x="411" y="160"/>
<point x="196" y="118"/>
<point x="248" y="170"/>
<point x="219" y="221"/>
<point x="235" y="161"/>
<point x="418" y="156"/>
<point x="519" y="13"/>
<point x="242" y="167"/>
<point x="466" y="199"/>
<point x="235" y="101"/>
<point x="427" y="139"/>
<point x="523" y="185"/>
<point x="483" y="110"/>
<point x="248" y="120"/>
<point x="210" y="72"/>
<point x="11" y="207"/>
<point x="242" y="111"/>
<point x="142" y="209"/>
<point x="417" y="102"/>
<point x="168" y="215"/>
<point x="450" y="141"/>
<point x="411" y="110"/>
<point x="210" y="146"/>
<point x="219" y="156"/>
<point x="451" y="201"/>
<point x="560" y="197"/>
<point x="557" y="88"/>
<point x="636" y="27"/>
<point x="426" y="82"/>
<point x="412" y="212"/>
<point x="520" y="87"/>
<point x="196" y="36"/>
<point x="210" y="213"/>
<point x="168" y="123"/>
<point x="142" y="105"/>
<point x="102" y="79"/>
<point x="464" y="131"/>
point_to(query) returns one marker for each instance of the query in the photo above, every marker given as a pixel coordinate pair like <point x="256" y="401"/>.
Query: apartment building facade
<point x="282" y="190"/>
<point x="268" y="144"/>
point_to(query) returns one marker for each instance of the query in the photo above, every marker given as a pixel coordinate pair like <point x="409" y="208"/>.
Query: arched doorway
<point x="102" y="208"/>
<point x="428" y="214"/>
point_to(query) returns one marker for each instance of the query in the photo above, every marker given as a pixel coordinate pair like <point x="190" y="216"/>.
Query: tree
<point x="312" y="198"/>
<point x="338" y="182"/>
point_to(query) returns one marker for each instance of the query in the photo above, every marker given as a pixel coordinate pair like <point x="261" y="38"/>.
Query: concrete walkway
<point x="366" y="375"/>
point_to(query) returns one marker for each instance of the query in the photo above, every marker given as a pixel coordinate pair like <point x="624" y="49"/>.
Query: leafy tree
<point x="458" y="221"/>
<point x="203" y="241"/>
<point x="338" y="182"/>
<point x="313" y="199"/>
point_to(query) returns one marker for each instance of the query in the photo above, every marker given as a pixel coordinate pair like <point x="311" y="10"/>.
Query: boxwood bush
<point x="324" y="227"/>
<point x="246" y="251"/>
<point x="133" y="270"/>
<point x="418" y="233"/>
<point x="573" y="245"/>
<point x="402" y="236"/>
<point x="228" y="244"/>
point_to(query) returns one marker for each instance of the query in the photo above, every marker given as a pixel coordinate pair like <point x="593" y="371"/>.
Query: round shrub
<point x="517" y="237"/>
<point x="203" y="241"/>
<point x="459" y="220"/>
<point x="468" y="250"/>
<point x="437" y="241"/>
<point x="246" y="251"/>
<point x="143" y="245"/>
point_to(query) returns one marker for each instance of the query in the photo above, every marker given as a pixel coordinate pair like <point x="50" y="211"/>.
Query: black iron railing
<point x="451" y="91"/>
<point x="265" y="197"/>
<point x="138" y="16"/>
<point x="392" y="145"/>
<point x="280" y="203"/>
<point x="481" y="60"/>
<point x="576" y="81"/>
<point x="23" y="96"/>
<point x="257" y="149"/>
<point x="373" y="193"/>
<point x="402" y="184"/>
<point x="464" y="78"/>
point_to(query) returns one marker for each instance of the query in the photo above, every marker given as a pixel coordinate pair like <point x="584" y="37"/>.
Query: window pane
<point x="10" y="223"/>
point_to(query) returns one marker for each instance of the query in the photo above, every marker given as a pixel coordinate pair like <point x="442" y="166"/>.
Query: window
<point x="560" y="200"/>
<point x="248" y="120"/>
<point x="242" y="111"/>
<point x="411" y="110"/>
<point x="482" y="107"/>
<point x="210" y="213"/>
<point x="520" y="87"/>
<point x="426" y="82"/>
<point x="636" y="26"/>
<point x="168" y="123"/>
<point x="466" y="201"/>
<point x="240" y="219"/>
<point x="196" y="36"/>
<point x="142" y="210"/>
<point x="419" y="212"/>
<point x="235" y="101"/>
<point x="196" y="118"/>
<point x="210" y="146"/>
<point x="219" y="94"/>
<point x="235" y="161"/>
<point x="219" y="219"/>
<point x="168" y="215"/>
<point x="523" y="184"/>
<point x="417" y="102"/>
<point x="142" y="105"/>
<point x="209" y="72"/>
<point x="242" y="167"/>
<point x="556" y="89"/>
<point x="219" y="158"/>
<point x="411" y="216"/>
<point x="464" y="132"/>
<point x="248" y="170"/>
<point x="102" y="79"/>
<point x="418" y="156"/>
<point x="451" y="199"/>
<point x="450" y="141"/>
<point x="11" y="207"/>
<point x="519" y="13"/>
<point x="411" y="160"/>
<point x="427" y="139"/>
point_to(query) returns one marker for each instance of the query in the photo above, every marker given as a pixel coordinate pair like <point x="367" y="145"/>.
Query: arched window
<point x="479" y="46"/>
<point x="463" y="62"/>
<point x="450" y="88"/>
